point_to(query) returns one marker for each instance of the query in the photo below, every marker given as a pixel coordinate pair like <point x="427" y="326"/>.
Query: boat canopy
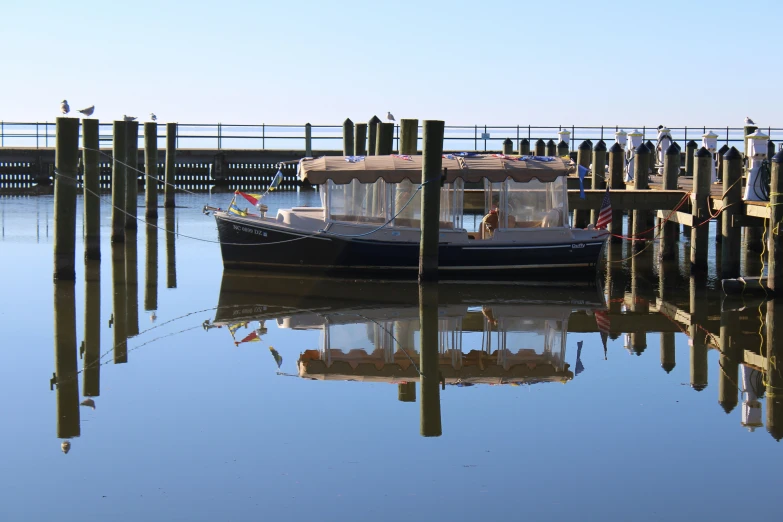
<point x="397" y="168"/>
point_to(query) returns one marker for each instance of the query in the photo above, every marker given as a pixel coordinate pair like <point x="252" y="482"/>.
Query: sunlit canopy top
<point x="396" y="168"/>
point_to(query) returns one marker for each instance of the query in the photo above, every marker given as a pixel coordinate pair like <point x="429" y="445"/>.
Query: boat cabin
<point x="510" y="192"/>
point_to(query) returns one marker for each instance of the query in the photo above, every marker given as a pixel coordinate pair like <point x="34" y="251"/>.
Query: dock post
<point x="151" y="169"/>
<point x="584" y="156"/>
<point x="65" y="359"/>
<point x="171" y="165"/>
<point x="731" y="243"/>
<point x="385" y="139"/>
<point x="406" y="392"/>
<point x="66" y="163"/>
<point x="641" y="221"/>
<point x="409" y="136"/>
<point x="132" y="174"/>
<point x="131" y="283"/>
<point x="551" y="148"/>
<point x="348" y="142"/>
<point x="118" y="182"/>
<point x="308" y="140"/>
<point x="700" y="210"/>
<point x="540" y="147"/>
<point x="690" y="150"/>
<point x="774" y="369"/>
<point x="524" y="147"/>
<point x="119" y="304"/>
<point x="91" y="378"/>
<point x="616" y="173"/>
<point x="431" y="167"/>
<point x="360" y="139"/>
<point x="774" y="244"/>
<point x="372" y="135"/>
<point x="770" y="150"/>
<point x="721" y="167"/>
<point x="429" y="367"/>
<point x="599" y="173"/>
<point x="730" y="357"/>
<point x="91" y="184"/>
<point x="508" y="146"/>
<point x="671" y="229"/>
<point x="562" y="149"/>
<point x="151" y="268"/>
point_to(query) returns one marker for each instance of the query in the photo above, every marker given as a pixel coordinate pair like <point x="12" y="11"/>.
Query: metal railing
<point x="329" y="137"/>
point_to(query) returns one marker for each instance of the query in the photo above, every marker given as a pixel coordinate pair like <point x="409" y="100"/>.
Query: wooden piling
<point x="671" y="230"/>
<point x="700" y="209"/>
<point x="641" y="218"/>
<point x="432" y="155"/>
<point x="409" y="136"/>
<point x="774" y="369"/>
<point x="540" y="147"/>
<point x="730" y="357"/>
<point x="171" y="255"/>
<point x="406" y="392"/>
<point x="562" y="149"/>
<point x="720" y="167"/>
<point x="551" y="148"/>
<point x="731" y="242"/>
<point x="616" y="173"/>
<point x="372" y="135"/>
<point x="360" y="139"/>
<point x="91" y="185"/>
<point x="584" y="156"/>
<point x="429" y="367"/>
<point x="524" y="147"/>
<point x="66" y="165"/>
<point x="118" y="182"/>
<point x="308" y="140"/>
<point x="384" y="144"/>
<point x="599" y="174"/>
<point x="770" y="149"/>
<point x="690" y="150"/>
<point x="508" y="146"/>
<point x="151" y="268"/>
<point x="348" y="141"/>
<point x="91" y="377"/>
<point x="151" y="169"/>
<point x="65" y="358"/>
<point x="774" y="243"/>
<point x="171" y="165"/>
<point x="119" y="304"/>
<point x="132" y="174"/>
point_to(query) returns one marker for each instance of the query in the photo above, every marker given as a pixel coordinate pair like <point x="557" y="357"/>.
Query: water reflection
<point x="91" y="386"/>
<point x="118" y="321"/>
<point x="171" y="255"/>
<point x="151" y="266"/>
<point x="66" y="376"/>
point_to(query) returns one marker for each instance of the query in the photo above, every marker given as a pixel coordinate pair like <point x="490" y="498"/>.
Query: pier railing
<point x="264" y="136"/>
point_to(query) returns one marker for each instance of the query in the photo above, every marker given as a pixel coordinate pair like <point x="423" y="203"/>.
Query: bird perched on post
<point x="390" y="116"/>
<point x="88" y="111"/>
<point x="748" y="121"/>
<point x="64" y="108"/>
<point x="128" y="118"/>
<point x="153" y="117"/>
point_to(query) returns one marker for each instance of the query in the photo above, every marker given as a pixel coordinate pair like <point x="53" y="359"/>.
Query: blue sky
<point x="502" y="62"/>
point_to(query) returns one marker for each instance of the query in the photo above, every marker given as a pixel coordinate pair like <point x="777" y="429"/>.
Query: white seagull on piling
<point x="64" y="108"/>
<point x="748" y="121"/>
<point x="390" y="116"/>
<point x="153" y="117"/>
<point x="88" y="111"/>
<point x="128" y="118"/>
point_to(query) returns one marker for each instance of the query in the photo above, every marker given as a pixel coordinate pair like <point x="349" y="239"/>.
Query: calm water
<point x="345" y="418"/>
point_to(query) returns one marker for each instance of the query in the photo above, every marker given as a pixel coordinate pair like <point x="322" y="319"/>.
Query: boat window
<point x="357" y="202"/>
<point x="409" y="210"/>
<point x="534" y="204"/>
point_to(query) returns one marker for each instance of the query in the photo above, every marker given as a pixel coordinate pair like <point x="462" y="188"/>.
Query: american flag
<point x="605" y="215"/>
<point x="603" y="323"/>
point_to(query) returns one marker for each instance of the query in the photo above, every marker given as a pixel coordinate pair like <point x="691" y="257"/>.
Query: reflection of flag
<point x="232" y="328"/>
<point x="605" y="214"/>
<point x="604" y="325"/>
<point x="277" y="356"/>
<point x="251" y="337"/>
<point x="252" y="198"/>
<point x="579" y="366"/>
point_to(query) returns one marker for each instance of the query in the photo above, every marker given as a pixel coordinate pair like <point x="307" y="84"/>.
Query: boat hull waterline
<point x="255" y="245"/>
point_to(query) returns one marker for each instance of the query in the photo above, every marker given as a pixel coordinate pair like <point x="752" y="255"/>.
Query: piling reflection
<point x="171" y="256"/>
<point x="151" y="266"/>
<point x="430" y="375"/>
<point x="775" y="368"/>
<point x="132" y="282"/>
<point x="66" y="376"/>
<point x="91" y="384"/>
<point x="118" y="321"/>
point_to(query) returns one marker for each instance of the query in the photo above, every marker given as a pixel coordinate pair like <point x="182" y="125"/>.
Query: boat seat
<point x="307" y="218"/>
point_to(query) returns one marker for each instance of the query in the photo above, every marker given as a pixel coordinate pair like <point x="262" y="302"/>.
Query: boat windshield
<point x="531" y="204"/>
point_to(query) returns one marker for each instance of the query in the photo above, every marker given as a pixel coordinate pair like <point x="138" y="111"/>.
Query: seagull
<point x="88" y="111"/>
<point x="89" y="403"/>
<point x="64" y="108"/>
<point x="390" y="116"/>
<point x="153" y="117"/>
<point x="748" y="121"/>
<point x="153" y="317"/>
<point x="65" y="446"/>
<point x="128" y="118"/>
